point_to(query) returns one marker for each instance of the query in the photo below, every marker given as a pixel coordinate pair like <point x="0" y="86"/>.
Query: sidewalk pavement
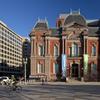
<point x="61" y="83"/>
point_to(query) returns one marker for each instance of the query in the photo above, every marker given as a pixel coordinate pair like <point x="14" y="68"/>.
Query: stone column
<point x="79" y="76"/>
<point x="32" y="47"/>
<point x="62" y="45"/>
<point x="48" y="47"/>
<point x="33" y="61"/>
<point x="85" y="45"/>
<point x="47" y="59"/>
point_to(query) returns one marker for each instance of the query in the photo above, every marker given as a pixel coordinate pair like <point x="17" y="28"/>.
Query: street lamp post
<point x="25" y="62"/>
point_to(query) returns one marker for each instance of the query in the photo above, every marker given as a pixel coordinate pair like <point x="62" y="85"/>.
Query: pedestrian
<point x="42" y="81"/>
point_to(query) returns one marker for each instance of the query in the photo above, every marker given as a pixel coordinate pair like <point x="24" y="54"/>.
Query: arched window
<point x="74" y="49"/>
<point x="41" y="50"/>
<point x="93" y="50"/>
<point x="55" y="50"/>
<point x="59" y="23"/>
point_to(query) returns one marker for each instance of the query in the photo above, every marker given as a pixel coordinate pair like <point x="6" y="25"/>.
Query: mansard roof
<point x="75" y="18"/>
<point x="54" y="31"/>
<point x="93" y="31"/>
<point x="95" y="23"/>
<point x="41" y="24"/>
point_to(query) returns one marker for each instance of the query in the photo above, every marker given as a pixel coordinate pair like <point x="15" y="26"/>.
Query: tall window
<point x="55" y="50"/>
<point x="55" y="68"/>
<point x="74" y="49"/>
<point x="80" y="51"/>
<point x="70" y="51"/>
<point x="93" y="69"/>
<point x="41" y="50"/>
<point x="93" y="50"/>
<point x="40" y="68"/>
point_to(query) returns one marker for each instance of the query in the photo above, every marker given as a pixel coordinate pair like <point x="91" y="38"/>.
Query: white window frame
<point x="93" y="54"/>
<point x="54" y="68"/>
<point x="41" y="50"/>
<point x="93" y="72"/>
<point x="39" y="68"/>
<point x="56" y="47"/>
<point x="75" y="49"/>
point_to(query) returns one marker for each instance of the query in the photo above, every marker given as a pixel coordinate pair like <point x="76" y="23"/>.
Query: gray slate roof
<point x="94" y="23"/>
<point x="41" y="25"/>
<point x="76" y="18"/>
<point x="93" y="31"/>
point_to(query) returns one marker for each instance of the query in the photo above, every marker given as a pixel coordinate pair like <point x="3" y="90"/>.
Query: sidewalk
<point x="61" y="83"/>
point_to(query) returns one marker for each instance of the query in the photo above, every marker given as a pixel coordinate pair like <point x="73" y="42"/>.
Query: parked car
<point x="4" y="80"/>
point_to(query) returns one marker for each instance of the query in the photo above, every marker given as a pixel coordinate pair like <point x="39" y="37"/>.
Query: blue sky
<point x="21" y="15"/>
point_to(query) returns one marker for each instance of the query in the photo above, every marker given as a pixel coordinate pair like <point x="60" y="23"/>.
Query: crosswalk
<point x="53" y="92"/>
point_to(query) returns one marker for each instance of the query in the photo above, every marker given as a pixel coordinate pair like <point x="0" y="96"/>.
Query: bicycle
<point x="15" y="88"/>
<point x="11" y="87"/>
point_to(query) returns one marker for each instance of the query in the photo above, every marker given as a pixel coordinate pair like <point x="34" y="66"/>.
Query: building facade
<point x="70" y="50"/>
<point x="10" y="51"/>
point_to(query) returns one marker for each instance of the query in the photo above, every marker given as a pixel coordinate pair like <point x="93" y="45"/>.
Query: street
<point x="54" y="91"/>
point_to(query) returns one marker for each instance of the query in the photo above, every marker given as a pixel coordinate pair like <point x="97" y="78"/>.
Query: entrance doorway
<point x="75" y="70"/>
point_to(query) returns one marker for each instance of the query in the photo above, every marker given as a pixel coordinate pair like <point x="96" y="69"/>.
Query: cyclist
<point x="13" y="82"/>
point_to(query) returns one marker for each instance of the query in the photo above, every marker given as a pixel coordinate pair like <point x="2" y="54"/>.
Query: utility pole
<point x="25" y="62"/>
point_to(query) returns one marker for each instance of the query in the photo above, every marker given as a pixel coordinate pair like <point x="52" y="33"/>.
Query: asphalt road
<point x="53" y="92"/>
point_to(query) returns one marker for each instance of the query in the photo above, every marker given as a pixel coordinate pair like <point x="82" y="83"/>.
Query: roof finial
<point x="70" y="11"/>
<point x="79" y="11"/>
<point x="38" y="19"/>
<point x="46" y="20"/>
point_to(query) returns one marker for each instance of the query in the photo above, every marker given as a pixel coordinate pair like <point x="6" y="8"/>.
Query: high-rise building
<point x="10" y="51"/>
<point x="71" y="49"/>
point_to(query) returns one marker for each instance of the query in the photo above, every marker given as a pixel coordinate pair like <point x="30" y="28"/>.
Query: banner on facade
<point x="64" y="65"/>
<point x="85" y="63"/>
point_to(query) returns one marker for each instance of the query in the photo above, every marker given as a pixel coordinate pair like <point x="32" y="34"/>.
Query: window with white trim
<point x="93" y="50"/>
<point x="74" y="49"/>
<point x="55" y="68"/>
<point x="56" y="53"/>
<point x="41" y="50"/>
<point x="70" y="51"/>
<point x="93" y="69"/>
<point x="40" y="68"/>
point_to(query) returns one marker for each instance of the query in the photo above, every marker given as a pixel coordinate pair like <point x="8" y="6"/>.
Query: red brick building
<point x="74" y="37"/>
